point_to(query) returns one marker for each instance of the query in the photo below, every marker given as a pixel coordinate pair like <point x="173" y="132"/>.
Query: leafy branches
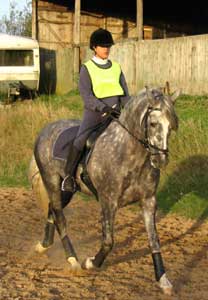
<point x="19" y="22"/>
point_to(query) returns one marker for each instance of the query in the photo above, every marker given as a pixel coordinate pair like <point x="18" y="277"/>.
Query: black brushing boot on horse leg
<point x="69" y="182"/>
<point x="139" y="143"/>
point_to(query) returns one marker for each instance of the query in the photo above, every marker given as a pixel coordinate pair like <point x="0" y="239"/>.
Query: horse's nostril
<point x="155" y="163"/>
<point x="159" y="161"/>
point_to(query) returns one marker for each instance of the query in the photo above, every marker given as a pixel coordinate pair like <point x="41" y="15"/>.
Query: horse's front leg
<point x="108" y="217"/>
<point x="149" y="212"/>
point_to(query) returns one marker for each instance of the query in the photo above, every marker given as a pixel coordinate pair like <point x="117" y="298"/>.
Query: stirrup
<point x="73" y="185"/>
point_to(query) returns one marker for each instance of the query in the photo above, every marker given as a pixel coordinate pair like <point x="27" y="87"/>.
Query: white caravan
<point x="19" y="64"/>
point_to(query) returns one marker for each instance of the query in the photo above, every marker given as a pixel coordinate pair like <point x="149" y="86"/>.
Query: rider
<point x="103" y="88"/>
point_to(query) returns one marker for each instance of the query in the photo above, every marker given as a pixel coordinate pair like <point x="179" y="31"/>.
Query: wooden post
<point x="139" y="19"/>
<point x="34" y="20"/>
<point x="76" y="40"/>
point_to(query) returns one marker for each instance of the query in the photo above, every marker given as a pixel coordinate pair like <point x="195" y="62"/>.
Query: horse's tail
<point x="38" y="186"/>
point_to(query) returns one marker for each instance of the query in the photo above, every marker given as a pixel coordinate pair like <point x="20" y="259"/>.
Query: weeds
<point x="20" y="125"/>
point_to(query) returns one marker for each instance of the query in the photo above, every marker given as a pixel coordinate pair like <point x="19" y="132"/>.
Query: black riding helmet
<point x="101" y="37"/>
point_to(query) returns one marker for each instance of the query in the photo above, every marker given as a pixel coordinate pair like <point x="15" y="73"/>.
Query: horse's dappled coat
<point x="124" y="168"/>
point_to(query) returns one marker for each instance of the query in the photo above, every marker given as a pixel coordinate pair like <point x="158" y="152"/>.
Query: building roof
<point x="177" y="11"/>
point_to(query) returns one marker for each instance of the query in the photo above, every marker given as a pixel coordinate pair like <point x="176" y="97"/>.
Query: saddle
<point x="66" y="138"/>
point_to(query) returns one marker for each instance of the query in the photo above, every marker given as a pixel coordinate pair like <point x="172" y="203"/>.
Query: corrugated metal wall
<point x="182" y="61"/>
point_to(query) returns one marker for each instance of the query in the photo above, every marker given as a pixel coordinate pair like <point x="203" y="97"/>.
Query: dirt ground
<point x="127" y="273"/>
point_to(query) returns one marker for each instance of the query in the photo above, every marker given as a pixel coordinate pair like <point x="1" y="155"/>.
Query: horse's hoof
<point x="168" y="291"/>
<point x="165" y="285"/>
<point x="74" y="264"/>
<point x="88" y="263"/>
<point x="40" y="249"/>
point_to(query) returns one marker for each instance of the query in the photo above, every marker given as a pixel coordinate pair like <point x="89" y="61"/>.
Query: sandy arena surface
<point x="127" y="273"/>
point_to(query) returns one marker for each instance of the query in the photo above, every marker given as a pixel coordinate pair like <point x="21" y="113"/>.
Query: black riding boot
<point x="69" y="183"/>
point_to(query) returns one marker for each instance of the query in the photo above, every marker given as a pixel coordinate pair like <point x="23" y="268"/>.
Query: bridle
<point x="152" y="149"/>
<point x="151" y="146"/>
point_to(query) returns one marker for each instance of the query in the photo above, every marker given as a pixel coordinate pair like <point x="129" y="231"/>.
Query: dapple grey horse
<point x="124" y="167"/>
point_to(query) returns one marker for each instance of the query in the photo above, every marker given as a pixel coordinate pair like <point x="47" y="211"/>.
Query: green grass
<point x="192" y="107"/>
<point x="71" y="101"/>
<point x="20" y="125"/>
<point x="3" y="97"/>
<point x="183" y="185"/>
<point x="17" y="178"/>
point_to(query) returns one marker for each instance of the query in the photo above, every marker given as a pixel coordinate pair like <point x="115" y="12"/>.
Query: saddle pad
<point x="63" y="142"/>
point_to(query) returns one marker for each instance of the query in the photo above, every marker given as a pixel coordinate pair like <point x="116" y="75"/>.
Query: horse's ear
<point x="149" y="95"/>
<point x="167" y="88"/>
<point x="175" y="95"/>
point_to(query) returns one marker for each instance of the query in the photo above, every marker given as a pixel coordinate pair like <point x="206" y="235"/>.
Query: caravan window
<point x="9" y="58"/>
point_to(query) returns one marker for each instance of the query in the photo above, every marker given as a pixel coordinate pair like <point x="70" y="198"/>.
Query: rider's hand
<point x="108" y="110"/>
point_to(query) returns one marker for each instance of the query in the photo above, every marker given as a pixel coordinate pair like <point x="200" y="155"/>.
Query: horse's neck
<point x="126" y="133"/>
<point x="133" y="114"/>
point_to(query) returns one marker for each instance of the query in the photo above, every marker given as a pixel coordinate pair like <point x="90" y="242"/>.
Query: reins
<point x="145" y="143"/>
<point x="148" y="146"/>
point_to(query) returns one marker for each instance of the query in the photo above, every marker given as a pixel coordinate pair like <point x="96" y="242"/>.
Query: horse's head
<point x="158" y="121"/>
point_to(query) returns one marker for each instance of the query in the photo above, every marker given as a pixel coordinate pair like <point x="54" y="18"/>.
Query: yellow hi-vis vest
<point x="105" y="82"/>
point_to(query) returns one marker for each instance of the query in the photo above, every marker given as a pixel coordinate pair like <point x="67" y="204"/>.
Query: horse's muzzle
<point x="159" y="160"/>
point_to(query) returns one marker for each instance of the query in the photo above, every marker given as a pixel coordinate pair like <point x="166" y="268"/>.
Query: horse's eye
<point x="153" y="124"/>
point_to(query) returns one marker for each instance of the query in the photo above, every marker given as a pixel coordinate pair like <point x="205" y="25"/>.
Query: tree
<point x="18" y="22"/>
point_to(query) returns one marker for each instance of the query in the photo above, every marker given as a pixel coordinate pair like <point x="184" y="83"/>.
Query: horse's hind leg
<point x="108" y="217"/>
<point x="50" y="226"/>
<point x="49" y="233"/>
<point x="57" y="218"/>
<point x="49" y="230"/>
<point x="149" y="211"/>
<point x="60" y="221"/>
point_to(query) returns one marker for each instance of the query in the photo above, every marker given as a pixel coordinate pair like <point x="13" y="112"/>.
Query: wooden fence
<point x="181" y="61"/>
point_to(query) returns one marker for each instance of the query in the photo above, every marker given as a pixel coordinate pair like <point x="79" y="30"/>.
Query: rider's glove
<point x="112" y="111"/>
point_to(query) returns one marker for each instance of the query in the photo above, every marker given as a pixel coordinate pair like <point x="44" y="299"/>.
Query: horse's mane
<point x="136" y="107"/>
